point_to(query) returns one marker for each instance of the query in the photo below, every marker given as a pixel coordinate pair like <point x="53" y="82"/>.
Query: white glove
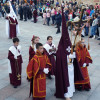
<point x="15" y="57"/>
<point x="19" y="47"/>
<point x="46" y="70"/>
<point x="84" y="65"/>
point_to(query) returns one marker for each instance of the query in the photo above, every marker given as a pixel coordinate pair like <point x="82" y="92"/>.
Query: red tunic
<point x="15" y="68"/>
<point x="12" y="27"/>
<point x="83" y="57"/>
<point x="31" y="53"/>
<point x="35" y="71"/>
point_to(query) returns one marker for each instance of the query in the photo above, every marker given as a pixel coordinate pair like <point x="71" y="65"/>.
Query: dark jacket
<point x="25" y="9"/>
<point x="58" y="19"/>
<point x="20" y="10"/>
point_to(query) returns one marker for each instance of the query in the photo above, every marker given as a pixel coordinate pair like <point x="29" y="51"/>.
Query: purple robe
<point x="47" y="48"/>
<point x="12" y="27"/>
<point x="15" y="68"/>
<point x="62" y="79"/>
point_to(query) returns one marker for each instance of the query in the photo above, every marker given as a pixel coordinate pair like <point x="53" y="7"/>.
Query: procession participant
<point x="84" y="59"/>
<point x="71" y="88"/>
<point x="64" y="71"/>
<point x="32" y="48"/>
<point x="37" y="69"/>
<point x="15" y="63"/>
<point x="12" y="28"/>
<point x="50" y="51"/>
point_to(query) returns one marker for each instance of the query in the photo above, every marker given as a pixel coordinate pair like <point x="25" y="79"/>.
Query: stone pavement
<point x="28" y="29"/>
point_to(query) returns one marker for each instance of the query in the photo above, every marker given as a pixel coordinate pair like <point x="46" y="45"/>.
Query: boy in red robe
<point x="37" y="69"/>
<point x="15" y="63"/>
<point x="84" y="59"/>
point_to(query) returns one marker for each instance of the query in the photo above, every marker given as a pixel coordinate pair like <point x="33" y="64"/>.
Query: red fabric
<point x="39" y="61"/>
<point x="83" y="57"/>
<point x="86" y="82"/>
<point x="31" y="53"/>
<point x="62" y="78"/>
<point x="52" y="61"/>
<point x="31" y="2"/>
<point x="35" y="15"/>
<point x="13" y="76"/>
<point x="12" y="27"/>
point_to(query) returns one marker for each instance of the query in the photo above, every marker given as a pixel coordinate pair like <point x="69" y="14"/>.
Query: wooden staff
<point x="71" y="40"/>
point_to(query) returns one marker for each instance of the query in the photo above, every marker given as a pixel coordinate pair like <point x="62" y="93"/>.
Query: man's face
<point x="50" y="40"/>
<point x="40" y="49"/>
<point x="16" y="44"/>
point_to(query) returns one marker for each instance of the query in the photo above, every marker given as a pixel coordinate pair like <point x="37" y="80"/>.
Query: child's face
<point x="40" y="49"/>
<point x="16" y="44"/>
<point x="50" y="40"/>
<point x="36" y="40"/>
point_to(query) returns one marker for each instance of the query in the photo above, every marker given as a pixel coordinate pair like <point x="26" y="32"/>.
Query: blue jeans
<point x="87" y="30"/>
<point x="93" y="30"/>
<point x="53" y="19"/>
<point x="48" y="20"/>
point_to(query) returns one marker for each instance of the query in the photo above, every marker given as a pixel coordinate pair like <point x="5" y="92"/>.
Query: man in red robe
<point x="84" y="59"/>
<point x="15" y="63"/>
<point x="37" y="69"/>
<point x="12" y="28"/>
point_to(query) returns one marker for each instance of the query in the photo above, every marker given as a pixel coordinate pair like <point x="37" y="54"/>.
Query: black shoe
<point x="82" y="35"/>
<point x="21" y="19"/>
<point x="57" y="32"/>
<point x="87" y="89"/>
<point x="15" y="86"/>
<point x="98" y="38"/>
<point x="91" y="36"/>
<point x="99" y="44"/>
